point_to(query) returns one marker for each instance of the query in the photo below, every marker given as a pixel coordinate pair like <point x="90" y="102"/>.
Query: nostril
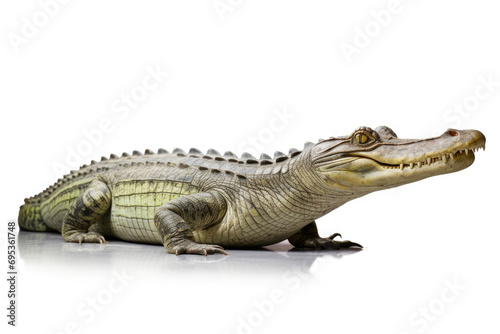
<point x="453" y="133"/>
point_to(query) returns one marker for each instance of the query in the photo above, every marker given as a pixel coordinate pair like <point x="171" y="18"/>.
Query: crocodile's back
<point x="139" y="184"/>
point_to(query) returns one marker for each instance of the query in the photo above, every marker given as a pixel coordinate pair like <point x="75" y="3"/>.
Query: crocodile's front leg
<point x="177" y="219"/>
<point x="308" y="237"/>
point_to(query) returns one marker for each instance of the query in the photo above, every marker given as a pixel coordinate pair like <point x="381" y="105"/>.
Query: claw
<point x="200" y="249"/>
<point x="334" y="235"/>
<point x="350" y="244"/>
<point x="328" y="243"/>
<point x="221" y="251"/>
<point x="88" y="237"/>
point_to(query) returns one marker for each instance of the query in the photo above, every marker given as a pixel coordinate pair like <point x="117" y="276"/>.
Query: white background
<point x="229" y="69"/>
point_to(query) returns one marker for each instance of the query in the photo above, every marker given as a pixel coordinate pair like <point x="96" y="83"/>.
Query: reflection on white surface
<point x="50" y="249"/>
<point x="119" y="286"/>
<point x="236" y="293"/>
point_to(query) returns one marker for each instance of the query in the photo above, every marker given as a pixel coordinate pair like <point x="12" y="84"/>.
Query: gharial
<point x="199" y="203"/>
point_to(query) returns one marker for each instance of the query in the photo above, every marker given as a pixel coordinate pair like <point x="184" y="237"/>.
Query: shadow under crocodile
<point x="49" y="250"/>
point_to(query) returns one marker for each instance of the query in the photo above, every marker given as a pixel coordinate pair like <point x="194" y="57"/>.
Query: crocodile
<point x="197" y="203"/>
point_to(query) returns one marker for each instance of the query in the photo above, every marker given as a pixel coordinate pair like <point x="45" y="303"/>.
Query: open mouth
<point x="442" y="158"/>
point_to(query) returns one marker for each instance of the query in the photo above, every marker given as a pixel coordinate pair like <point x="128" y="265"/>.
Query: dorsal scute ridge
<point x="294" y="152"/>
<point x="194" y="151"/>
<point x="247" y="155"/>
<point x="229" y="154"/>
<point x="264" y="156"/>
<point x="279" y="156"/>
<point x="179" y="151"/>
<point x="248" y="158"/>
<point x="213" y="153"/>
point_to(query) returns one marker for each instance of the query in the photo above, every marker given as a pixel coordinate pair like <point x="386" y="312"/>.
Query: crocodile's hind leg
<point x="85" y="211"/>
<point x="308" y="237"/>
<point x="177" y="219"/>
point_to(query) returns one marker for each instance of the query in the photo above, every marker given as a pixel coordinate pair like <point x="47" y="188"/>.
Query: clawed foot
<point x="329" y="243"/>
<point x="191" y="247"/>
<point x="84" y="237"/>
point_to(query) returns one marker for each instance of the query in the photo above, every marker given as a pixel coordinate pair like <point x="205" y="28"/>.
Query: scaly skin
<point x="199" y="203"/>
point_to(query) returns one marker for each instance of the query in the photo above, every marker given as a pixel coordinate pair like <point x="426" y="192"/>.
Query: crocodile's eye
<point x="361" y="138"/>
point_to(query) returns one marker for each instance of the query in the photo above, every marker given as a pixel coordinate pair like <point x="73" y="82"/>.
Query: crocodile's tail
<point x="30" y="217"/>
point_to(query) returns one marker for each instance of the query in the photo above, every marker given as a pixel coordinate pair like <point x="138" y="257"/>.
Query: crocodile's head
<point x="370" y="160"/>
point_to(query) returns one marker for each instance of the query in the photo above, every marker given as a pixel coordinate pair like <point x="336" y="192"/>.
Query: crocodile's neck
<point x="299" y="189"/>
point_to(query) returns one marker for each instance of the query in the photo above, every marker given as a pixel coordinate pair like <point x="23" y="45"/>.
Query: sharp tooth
<point x="401" y="166"/>
<point x="411" y="165"/>
<point x="419" y="164"/>
<point x="466" y="151"/>
<point x="451" y="155"/>
<point x="429" y="160"/>
<point x="444" y="158"/>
